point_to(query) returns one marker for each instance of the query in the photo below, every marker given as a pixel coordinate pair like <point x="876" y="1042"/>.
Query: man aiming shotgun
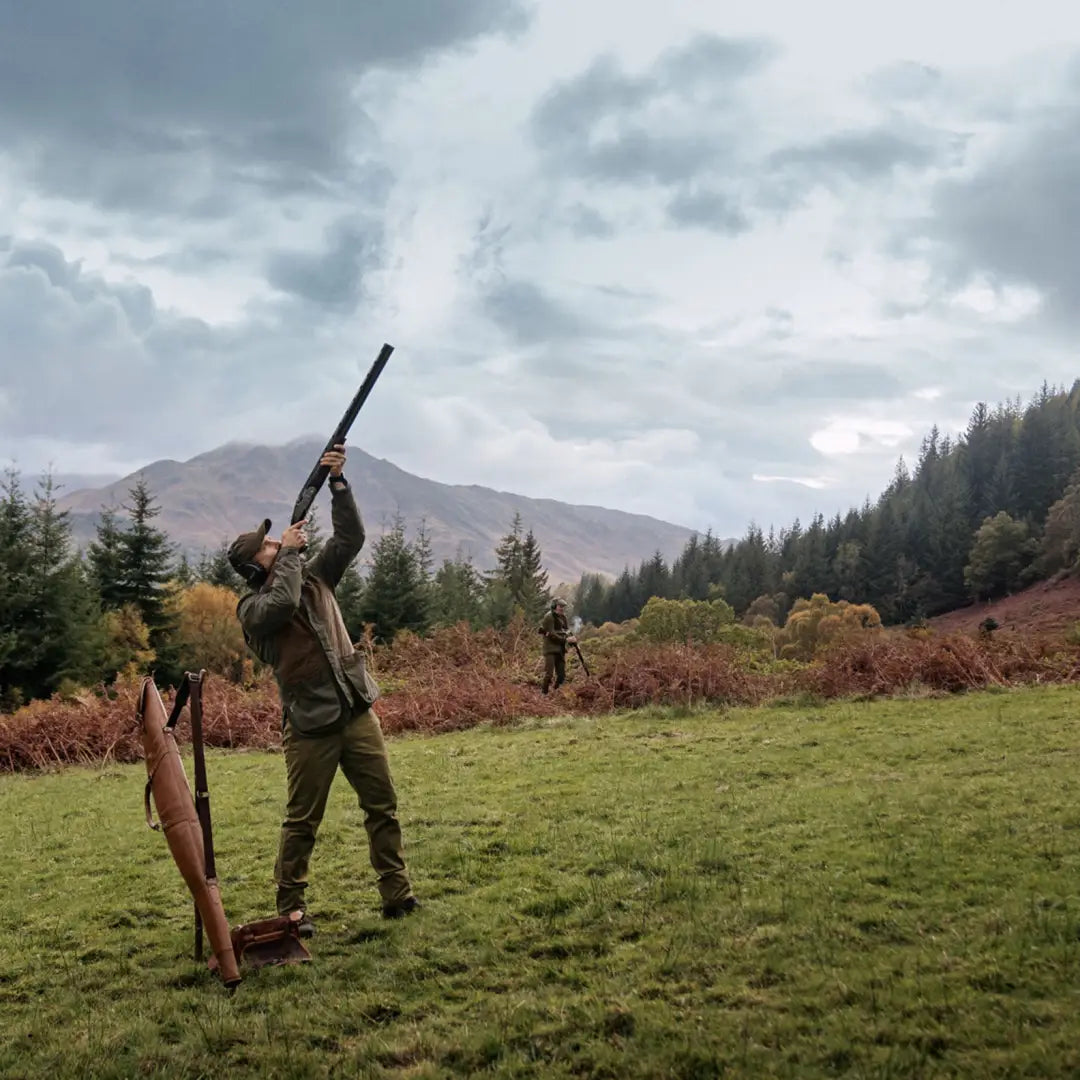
<point x="292" y="622"/>
<point x="555" y="630"/>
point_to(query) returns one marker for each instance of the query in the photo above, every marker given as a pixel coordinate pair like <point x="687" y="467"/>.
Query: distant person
<point x="292" y="622"/>
<point x="556" y="632"/>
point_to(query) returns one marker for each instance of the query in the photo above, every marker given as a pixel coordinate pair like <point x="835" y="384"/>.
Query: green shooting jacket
<point x="294" y="625"/>
<point x="555" y="629"/>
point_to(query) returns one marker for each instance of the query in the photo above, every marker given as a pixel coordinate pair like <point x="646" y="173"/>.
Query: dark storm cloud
<point x="589" y="224"/>
<point x="136" y="301"/>
<point x="860" y="155"/>
<point x="597" y="124"/>
<point x="859" y="158"/>
<point x="530" y="316"/>
<point x="1015" y="220"/>
<point x="174" y="107"/>
<point x="688" y="124"/>
<point x="707" y="210"/>
<point x="332" y="278"/>
<point x="85" y="360"/>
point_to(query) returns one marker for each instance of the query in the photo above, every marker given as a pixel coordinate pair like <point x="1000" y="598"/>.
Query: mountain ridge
<point x="216" y="494"/>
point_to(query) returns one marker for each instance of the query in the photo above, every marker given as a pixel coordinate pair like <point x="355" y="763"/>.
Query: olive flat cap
<point x="246" y="546"/>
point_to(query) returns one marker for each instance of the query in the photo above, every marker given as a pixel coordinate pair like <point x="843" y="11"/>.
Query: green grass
<point x="868" y="890"/>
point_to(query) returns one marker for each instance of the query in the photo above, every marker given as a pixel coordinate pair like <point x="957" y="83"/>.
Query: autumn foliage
<point x="457" y="678"/>
<point x="207" y="627"/>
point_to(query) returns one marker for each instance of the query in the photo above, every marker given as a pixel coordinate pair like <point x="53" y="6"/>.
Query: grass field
<point x="884" y="889"/>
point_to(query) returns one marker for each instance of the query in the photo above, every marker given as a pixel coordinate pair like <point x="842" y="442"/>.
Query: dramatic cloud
<point x="529" y="316"/>
<point x="187" y="108"/>
<point x="708" y="210"/>
<point x="1012" y="219"/>
<point x="712" y="266"/>
<point x="332" y="278"/>
<point x="605" y="124"/>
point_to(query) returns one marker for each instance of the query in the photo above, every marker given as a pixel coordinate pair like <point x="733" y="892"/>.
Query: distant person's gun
<point x="577" y="649"/>
<point x="313" y="484"/>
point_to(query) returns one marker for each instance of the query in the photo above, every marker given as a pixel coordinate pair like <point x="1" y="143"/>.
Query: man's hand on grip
<point x="294" y="536"/>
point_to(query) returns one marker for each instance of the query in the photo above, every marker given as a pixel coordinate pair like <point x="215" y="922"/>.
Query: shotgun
<point x="318" y="475"/>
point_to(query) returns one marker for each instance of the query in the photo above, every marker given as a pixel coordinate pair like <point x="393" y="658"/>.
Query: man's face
<point x="560" y="609"/>
<point x="266" y="555"/>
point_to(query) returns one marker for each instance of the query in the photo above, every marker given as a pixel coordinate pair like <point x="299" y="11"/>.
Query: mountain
<point x="78" y="481"/>
<point x="218" y="494"/>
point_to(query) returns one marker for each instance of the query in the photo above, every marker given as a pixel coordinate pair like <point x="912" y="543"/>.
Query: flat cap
<point x="246" y="546"/>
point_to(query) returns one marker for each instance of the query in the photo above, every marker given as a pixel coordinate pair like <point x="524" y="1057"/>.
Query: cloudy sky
<point x="659" y="255"/>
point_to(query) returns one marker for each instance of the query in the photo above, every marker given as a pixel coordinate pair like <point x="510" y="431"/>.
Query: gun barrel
<point x="317" y="477"/>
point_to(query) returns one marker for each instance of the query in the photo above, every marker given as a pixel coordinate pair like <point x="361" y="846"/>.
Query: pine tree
<point x="350" y="598"/>
<point x="591" y="599"/>
<point x="534" y="596"/>
<point x="425" y="563"/>
<point x="146" y="555"/>
<point x="519" y="568"/>
<point x="214" y="568"/>
<point x="508" y="562"/>
<point x="65" y="608"/>
<point x="458" y="594"/>
<point x="16" y="597"/>
<point x="654" y="578"/>
<point x="106" y="557"/>
<point x="689" y="574"/>
<point x="48" y="612"/>
<point x="977" y="461"/>
<point x="184" y="575"/>
<point x="623" y="600"/>
<point x="394" y="595"/>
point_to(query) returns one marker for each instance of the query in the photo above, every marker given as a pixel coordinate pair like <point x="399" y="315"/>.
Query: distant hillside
<point x="214" y="496"/>
<point x="1047" y="607"/>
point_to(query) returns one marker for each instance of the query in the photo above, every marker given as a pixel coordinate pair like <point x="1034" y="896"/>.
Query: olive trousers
<point x="554" y="668"/>
<point x="311" y="765"/>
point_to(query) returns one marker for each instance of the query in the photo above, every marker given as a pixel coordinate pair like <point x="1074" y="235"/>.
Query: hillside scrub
<point x="458" y="678"/>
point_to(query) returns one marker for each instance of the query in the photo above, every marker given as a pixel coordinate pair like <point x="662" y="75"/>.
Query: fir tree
<point x="146" y="555"/>
<point x="394" y="596"/>
<point x="534" y="595"/>
<point x="519" y="568"/>
<point x="214" y="568"/>
<point x="350" y="598"/>
<point x="16" y="595"/>
<point x="458" y="594"/>
<point x="64" y="633"/>
<point x="184" y="575"/>
<point x="508" y="563"/>
<point x="590" y="599"/>
<point x="106" y="558"/>
<point x="48" y="613"/>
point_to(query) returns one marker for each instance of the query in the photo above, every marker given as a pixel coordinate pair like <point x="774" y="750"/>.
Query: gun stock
<point x="317" y="477"/>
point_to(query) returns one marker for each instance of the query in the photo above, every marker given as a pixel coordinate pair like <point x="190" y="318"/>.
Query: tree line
<point x="977" y="517"/>
<point x="130" y="601"/>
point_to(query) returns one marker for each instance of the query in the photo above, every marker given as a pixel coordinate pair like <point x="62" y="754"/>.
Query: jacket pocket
<point x="364" y="686"/>
<point x="313" y="707"/>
